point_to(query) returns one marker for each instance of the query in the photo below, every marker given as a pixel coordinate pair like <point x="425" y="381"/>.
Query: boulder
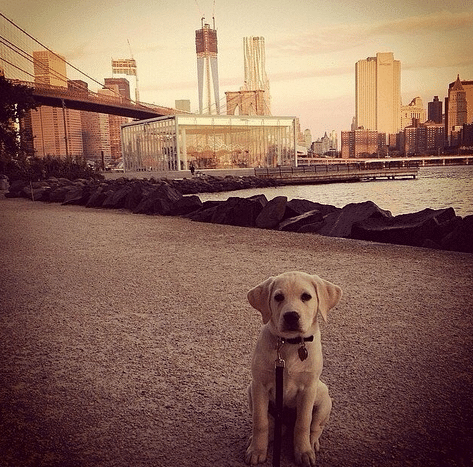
<point x="260" y="198"/>
<point x="272" y="213"/>
<point x="159" y="201"/>
<point x="35" y="191"/>
<point x="117" y="198"/>
<point x="4" y="184"/>
<point x="206" y="212"/>
<point x="74" y="195"/>
<point x="296" y="207"/>
<point x="461" y="237"/>
<point x="58" y="193"/>
<point x="186" y="205"/>
<point x="311" y="228"/>
<point x="407" y="229"/>
<point x="15" y="189"/>
<point x="293" y="224"/>
<point x="238" y="211"/>
<point x="139" y="190"/>
<point x="98" y="196"/>
<point x="339" y="223"/>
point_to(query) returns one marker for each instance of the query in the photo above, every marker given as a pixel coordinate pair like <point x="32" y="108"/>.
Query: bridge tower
<point x="207" y="69"/>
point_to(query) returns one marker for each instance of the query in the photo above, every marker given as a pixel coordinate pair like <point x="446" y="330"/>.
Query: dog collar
<point x="296" y="340"/>
<point x="302" y="351"/>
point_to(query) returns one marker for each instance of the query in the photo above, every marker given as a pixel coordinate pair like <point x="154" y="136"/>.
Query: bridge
<point x="84" y="99"/>
<point x="17" y="64"/>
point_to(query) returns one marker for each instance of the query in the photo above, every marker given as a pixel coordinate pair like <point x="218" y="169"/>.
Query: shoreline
<point x="127" y="340"/>
<point x="245" y="172"/>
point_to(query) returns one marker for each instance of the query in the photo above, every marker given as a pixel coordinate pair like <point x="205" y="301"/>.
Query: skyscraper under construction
<point x="207" y="69"/>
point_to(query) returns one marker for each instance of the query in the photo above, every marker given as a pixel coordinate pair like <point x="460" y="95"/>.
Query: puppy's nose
<point x="291" y="318"/>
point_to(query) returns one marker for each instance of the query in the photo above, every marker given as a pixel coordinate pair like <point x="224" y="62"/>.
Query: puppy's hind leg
<point x="320" y="414"/>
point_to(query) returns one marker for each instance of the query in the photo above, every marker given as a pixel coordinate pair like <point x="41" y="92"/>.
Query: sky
<point x="311" y="46"/>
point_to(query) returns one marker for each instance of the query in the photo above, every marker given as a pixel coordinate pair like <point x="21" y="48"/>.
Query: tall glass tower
<point x="207" y="69"/>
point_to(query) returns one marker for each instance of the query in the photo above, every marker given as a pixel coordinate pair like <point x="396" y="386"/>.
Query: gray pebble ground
<point x="125" y="340"/>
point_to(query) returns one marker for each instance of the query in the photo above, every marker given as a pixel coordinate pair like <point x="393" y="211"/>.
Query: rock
<point x="159" y="201"/>
<point x="272" y="213"/>
<point x="35" y="191"/>
<point x="312" y="228"/>
<point x="339" y="223"/>
<point x="58" y="194"/>
<point x="461" y="238"/>
<point x="98" y="196"/>
<point x="206" y="212"/>
<point x="238" y="211"/>
<point x="260" y="198"/>
<point x="293" y="224"/>
<point x="4" y="184"/>
<point x="186" y="205"/>
<point x="139" y="190"/>
<point x="16" y="189"/>
<point x="74" y="195"/>
<point x="406" y="229"/>
<point x="117" y="198"/>
<point x="296" y="207"/>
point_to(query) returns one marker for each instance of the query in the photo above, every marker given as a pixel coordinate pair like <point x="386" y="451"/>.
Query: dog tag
<point x="303" y="353"/>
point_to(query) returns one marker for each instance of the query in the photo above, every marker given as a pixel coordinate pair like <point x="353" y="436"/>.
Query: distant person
<point x="192" y="169"/>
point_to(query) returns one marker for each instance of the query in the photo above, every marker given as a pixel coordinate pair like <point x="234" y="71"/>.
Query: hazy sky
<point x="311" y="46"/>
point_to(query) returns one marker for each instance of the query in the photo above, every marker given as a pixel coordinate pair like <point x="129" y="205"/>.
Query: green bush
<point x="37" y="168"/>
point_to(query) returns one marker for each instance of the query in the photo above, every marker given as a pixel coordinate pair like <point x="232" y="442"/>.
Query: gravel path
<point x="125" y="340"/>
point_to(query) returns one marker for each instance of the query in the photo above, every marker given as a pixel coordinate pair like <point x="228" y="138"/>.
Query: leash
<point x="279" y="367"/>
<point x="279" y="364"/>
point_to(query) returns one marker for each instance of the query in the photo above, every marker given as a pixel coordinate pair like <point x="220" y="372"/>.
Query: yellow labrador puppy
<point x="289" y="304"/>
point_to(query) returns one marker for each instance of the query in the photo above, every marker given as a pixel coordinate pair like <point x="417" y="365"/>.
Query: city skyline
<point x="311" y="48"/>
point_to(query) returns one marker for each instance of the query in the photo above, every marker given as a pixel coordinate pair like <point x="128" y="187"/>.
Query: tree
<point x="15" y="101"/>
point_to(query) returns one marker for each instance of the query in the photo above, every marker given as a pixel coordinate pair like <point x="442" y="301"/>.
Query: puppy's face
<point x="293" y="303"/>
<point x="290" y="301"/>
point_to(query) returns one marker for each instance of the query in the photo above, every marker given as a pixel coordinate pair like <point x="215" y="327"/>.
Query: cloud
<point x="341" y="37"/>
<point x="313" y="73"/>
<point x="465" y="60"/>
<point x="434" y="23"/>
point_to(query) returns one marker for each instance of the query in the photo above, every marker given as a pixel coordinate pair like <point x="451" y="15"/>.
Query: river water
<point x="435" y="188"/>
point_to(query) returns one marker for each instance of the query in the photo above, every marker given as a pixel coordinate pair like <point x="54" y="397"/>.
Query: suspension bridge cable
<point x="27" y="56"/>
<point x="49" y="50"/>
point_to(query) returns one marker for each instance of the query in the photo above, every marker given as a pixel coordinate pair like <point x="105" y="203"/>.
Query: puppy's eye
<point x="279" y="297"/>
<point x="305" y="297"/>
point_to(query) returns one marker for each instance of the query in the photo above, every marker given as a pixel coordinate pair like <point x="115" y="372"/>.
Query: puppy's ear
<point x="328" y="294"/>
<point x="259" y="298"/>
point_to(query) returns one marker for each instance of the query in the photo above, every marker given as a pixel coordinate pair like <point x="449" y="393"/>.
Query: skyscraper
<point x="126" y="67"/>
<point x="458" y="105"/>
<point x="378" y="93"/>
<point x="413" y="111"/>
<point x="435" y="110"/>
<point x="207" y="69"/>
<point x="54" y="131"/>
<point x="121" y="87"/>
<point x="254" y="56"/>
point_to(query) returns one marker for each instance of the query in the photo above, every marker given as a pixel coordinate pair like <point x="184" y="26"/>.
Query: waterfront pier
<point x="330" y="173"/>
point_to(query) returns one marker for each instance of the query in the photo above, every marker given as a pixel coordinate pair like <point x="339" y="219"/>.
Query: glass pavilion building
<point x="208" y="142"/>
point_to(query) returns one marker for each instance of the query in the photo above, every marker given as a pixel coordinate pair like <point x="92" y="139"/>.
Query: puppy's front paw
<point x="255" y="456"/>
<point x="305" y="457"/>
